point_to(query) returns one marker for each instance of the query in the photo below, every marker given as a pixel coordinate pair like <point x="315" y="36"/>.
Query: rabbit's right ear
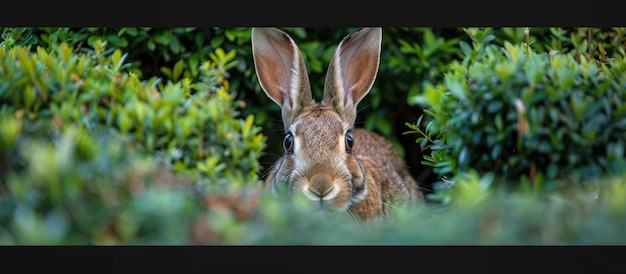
<point x="352" y="71"/>
<point x="281" y="71"/>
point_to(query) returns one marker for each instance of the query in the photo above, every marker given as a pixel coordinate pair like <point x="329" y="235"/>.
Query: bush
<point x="183" y="121"/>
<point x="176" y="53"/>
<point x="94" y="155"/>
<point x="412" y="59"/>
<point x="526" y="117"/>
<point x="588" y="213"/>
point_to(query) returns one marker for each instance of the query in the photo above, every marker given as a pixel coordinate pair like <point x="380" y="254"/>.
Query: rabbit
<point x="327" y="159"/>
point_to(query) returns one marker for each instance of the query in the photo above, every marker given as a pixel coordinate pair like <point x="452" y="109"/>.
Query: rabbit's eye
<point x="349" y="142"/>
<point x="288" y="143"/>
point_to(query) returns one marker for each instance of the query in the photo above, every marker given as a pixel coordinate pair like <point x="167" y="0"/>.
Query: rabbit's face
<point x="318" y="161"/>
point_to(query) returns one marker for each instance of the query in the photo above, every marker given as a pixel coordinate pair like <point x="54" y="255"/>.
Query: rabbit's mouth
<point x="321" y="196"/>
<point x="326" y="195"/>
<point x="326" y="206"/>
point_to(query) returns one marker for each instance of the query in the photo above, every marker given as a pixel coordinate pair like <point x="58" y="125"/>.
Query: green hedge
<point x="97" y="148"/>
<point x="176" y="53"/>
<point x="590" y="213"/>
<point x="91" y="154"/>
<point x="412" y="59"/>
<point x="526" y="117"/>
<point x="183" y="121"/>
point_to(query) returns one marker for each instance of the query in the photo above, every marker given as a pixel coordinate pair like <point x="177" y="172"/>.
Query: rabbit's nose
<point x="320" y="187"/>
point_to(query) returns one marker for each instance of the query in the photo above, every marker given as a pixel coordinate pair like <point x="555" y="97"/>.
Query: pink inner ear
<point x="282" y="66"/>
<point x="347" y="59"/>
<point x="284" y="57"/>
<point x="275" y="61"/>
<point x="281" y="69"/>
<point x="352" y="65"/>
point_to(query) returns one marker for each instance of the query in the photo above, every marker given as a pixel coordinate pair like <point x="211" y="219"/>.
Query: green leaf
<point x="175" y="45"/>
<point x="178" y="69"/>
<point x="117" y="41"/>
<point x="465" y="48"/>
<point x="151" y="44"/>
<point x="162" y="38"/>
<point x="217" y="41"/>
<point x="25" y="61"/>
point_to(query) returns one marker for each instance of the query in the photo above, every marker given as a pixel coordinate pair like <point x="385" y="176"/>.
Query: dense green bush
<point x="153" y="51"/>
<point x="526" y="116"/>
<point x="586" y="214"/>
<point x="183" y="121"/>
<point x="92" y="154"/>
<point x="412" y="59"/>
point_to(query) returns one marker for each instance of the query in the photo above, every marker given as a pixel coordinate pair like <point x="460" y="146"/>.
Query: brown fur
<point x="363" y="180"/>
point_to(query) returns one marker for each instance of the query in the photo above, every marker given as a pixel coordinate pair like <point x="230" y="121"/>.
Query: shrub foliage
<point x="93" y="154"/>
<point x="524" y="116"/>
<point x="155" y="136"/>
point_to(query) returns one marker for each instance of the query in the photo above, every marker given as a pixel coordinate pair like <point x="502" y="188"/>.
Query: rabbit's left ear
<point x="281" y="71"/>
<point x="352" y="71"/>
